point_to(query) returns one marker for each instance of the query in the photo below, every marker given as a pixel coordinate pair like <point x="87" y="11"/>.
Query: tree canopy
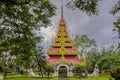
<point x="90" y="7"/>
<point x="18" y="21"/>
<point x="84" y="43"/>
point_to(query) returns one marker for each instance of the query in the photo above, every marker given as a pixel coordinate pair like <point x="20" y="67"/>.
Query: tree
<point x="17" y="20"/>
<point x="90" y="7"/>
<point x="91" y="58"/>
<point x="49" y="70"/>
<point x="114" y="11"/>
<point x="88" y="50"/>
<point x="108" y="61"/>
<point x="115" y="72"/>
<point x="87" y="6"/>
<point x="78" y="70"/>
<point x="83" y="43"/>
<point x="108" y="58"/>
<point x="116" y="8"/>
<point x="40" y="60"/>
<point x="6" y="63"/>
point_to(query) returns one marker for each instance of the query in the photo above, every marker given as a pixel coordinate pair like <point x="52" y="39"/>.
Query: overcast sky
<point x="78" y="23"/>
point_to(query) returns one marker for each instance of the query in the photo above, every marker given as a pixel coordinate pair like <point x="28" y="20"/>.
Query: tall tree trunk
<point x="79" y="77"/>
<point x="5" y="71"/>
<point x="41" y="71"/>
<point x="39" y="66"/>
<point x="48" y="75"/>
<point x="5" y="75"/>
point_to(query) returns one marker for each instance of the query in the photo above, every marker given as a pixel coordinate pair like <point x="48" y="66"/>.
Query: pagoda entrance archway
<point x="62" y="73"/>
<point x="65" y="67"/>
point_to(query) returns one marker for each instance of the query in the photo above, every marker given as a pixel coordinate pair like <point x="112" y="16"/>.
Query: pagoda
<point x="62" y="51"/>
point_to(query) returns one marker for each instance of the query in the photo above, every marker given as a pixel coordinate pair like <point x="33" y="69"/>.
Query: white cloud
<point x="48" y="33"/>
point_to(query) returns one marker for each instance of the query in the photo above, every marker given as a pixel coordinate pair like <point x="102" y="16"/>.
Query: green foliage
<point x="84" y="43"/>
<point x="115" y="72"/>
<point x="40" y="60"/>
<point x="117" y="26"/>
<point x="114" y="11"/>
<point x="91" y="59"/>
<point x="87" y="6"/>
<point x="109" y="61"/>
<point x="7" y="62"/>
<point x="78" y="70"/>
<point x="116" y="8"/>
<point x="49" y="70"/>
<point x="18" y="20"/>
<point x="87" y="49"/>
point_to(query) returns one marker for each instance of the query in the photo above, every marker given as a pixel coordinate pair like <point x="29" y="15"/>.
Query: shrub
<point x="78" y="70"/>
<point x="115" y="72"/>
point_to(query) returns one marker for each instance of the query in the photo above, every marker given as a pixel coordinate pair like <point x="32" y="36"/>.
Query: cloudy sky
<point x="78" y="23"/>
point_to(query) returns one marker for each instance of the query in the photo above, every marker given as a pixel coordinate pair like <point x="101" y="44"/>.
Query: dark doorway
<point x="62" y="72"/>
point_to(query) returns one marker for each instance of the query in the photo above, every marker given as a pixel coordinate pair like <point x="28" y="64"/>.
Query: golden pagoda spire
<point x="62" y="15"/>
<point x="62" y="49"/>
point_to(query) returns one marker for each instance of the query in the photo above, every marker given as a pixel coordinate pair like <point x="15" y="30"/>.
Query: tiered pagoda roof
<point x="62" y="47"/>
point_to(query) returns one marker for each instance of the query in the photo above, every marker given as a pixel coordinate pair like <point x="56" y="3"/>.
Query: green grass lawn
<point x="100" y="77"/>
<point x="24" y="77"/>
<point x="91" y="78"/>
